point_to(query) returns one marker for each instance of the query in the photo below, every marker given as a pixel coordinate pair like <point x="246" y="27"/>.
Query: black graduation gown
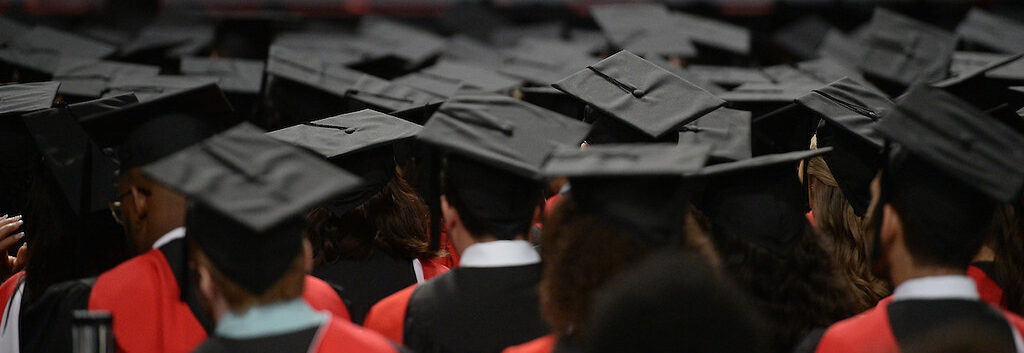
<point x="362" y="283"/>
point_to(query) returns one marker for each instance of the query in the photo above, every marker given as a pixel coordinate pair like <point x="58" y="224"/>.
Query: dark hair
<point x="64" y="246"/>
<point x="944" y="220"/>
<point x="490" y="201"/>
<point x="581" y="252"/>
<point x="796" y="292"/>
<point x="395" y="220"/>
<point x="670" y="303"/>
<point x="1007" y="241"/>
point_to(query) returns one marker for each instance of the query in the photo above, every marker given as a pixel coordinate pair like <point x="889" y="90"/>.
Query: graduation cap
<point x="360" y="143"/>
<point x="509" y="35"/>
<point x="27" y="97"/>
<point x="687" y="75"/>
<point x="152" y="87"/>
<point x="552" y="99"/>
<point x="88" y="78"/>
<point x="784" y="74"/>
<point x="11" y="29"/>
<point x="472" y="76"/>
<point x="839" y="47"/>
<point x="40" y="51"/>
<point x="904" y="51"/>
<point x="977" y="89"/>
<point x="501" y="131"/>
<point x="758" y="199"/>
<point x="637" y="187"/>
<point x="762" y="98"/>
<point x="413" y="45"/>
<point x="726" y="130"/>
<point x="802" y="38"/>
<point x="85" y="175"/>
<point x="439" y="88"/>
<point x="311" y="70"/>
<point x="466" y="49"/>
<point x="593" y="41"/>
<point x="383" y="95"/>
<point x="850" y="112"/>
<point x="639" y="93"/>
<point x="247" y="196"/>
<point x="785" y="129"/>
<point x="170" y="40"/>
<point x="716" y="34"/>
<point x="729" y="75"/>
<point x="992" y="31"/>
<point x="959" y="140"/>
<point x="543" y="62"/>
<point x="644" y="29"/>
<point x="233" y="75"/>
<point x="336" y="48"/>
<point x="964" y="61"/>
<point x="831" y="70"/>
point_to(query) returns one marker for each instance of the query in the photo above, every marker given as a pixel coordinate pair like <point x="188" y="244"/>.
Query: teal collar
<point x="269" y="320"/>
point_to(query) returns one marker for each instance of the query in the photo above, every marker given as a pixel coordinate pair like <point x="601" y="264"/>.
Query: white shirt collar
<point x="937" y="287"/>
<point x="499" y="253"/>
<point x="174" y="234"/>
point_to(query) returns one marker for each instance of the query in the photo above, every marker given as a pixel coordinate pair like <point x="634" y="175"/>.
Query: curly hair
<point x="581" y="252"/>
<point x="844" y="235"/>
<point x="395" y="220"/>
<point x="796" y="293"/>
<point x="1007" y="240"/>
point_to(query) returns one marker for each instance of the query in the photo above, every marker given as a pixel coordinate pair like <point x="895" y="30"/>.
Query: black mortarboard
<point x="982" y="92"/>
<point x="726" y="130"/>
<point x="205" y="103"/>
<point x="992" y="31"/>
<point x="543" y="62"/>
<point x="383" y="95"/>
<point x="593" y="41"/>
<point x="850" y="112"/>
<point x="964" y="61"/>
<point x="170" y="40"/>
<point x="716" y="34"/>
<point x="784" y="74"/>
<point x="1012" y="74"/>
<point x="27" y="97"/>
<point x="644" y="29"/>
<point x="552" y="99"/>
<point x="466" y="49"/>
<point x="509" y="35"/>
<point x="86" y="176"/>
<point x="762" y="98"/>
<point x="758" y="199"/>
<point x="88" y="78"/>
<point x="233" y="75"/>
<point x="904" y="51"/>
<point x="439" y="88"/>
<point x="360" y="143"/>
<point x="637" y="186"/>
<point x="148" y="88"/>
<point x="247" y="195"/>
<point x="412" y="45"/>
<point x="639" y="93"/>
<point x="958" y="139"/>
<point x="501" y="131"/>
<point x="333" y="48"/>
<point x="729" y="75"/>
<point x="783" y="130"/>
<point x="11" y="29"/>
<point x="831" y="70"/>
<point x="803" y="37"/>
<point x="472" y="76"/>
<point x="59" y="43"/>
<point x="840" y="47"/>
<point x="687" y="75"/>
<point x="310" y="70"/>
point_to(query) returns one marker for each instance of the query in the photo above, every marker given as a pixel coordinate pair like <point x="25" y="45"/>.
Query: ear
<point x="139" y="202"/>
<point x="307" y="254"/>
<point x="892" y="227"/>
<point x="450" y="214"/>
<point x="206" y="286"/>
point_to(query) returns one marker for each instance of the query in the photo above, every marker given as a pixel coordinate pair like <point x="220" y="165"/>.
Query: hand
<point x="9" y="265"/>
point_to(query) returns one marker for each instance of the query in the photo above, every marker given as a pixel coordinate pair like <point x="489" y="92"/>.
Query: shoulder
<point x="11" y="284"/>
<point x="388" y="315"/>
<point x="135" y="274"/>
<point x="343" y="336"/>
<point x="433" y="267"/>
<point x="1014" y="320"/>
<point x="866" y="332"/>
<point x="321" y="296"/>
<point x="544" y="344"/>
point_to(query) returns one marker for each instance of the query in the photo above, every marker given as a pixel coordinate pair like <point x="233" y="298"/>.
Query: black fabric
<point x="989" y="268"/>
<point x="475" y="310"/>
<point x="913" y="319"/>
<point x="176" y="253"/>
<point x="162" y="137"/>
<point x="726" y="130"/>
<point x="291" y="342"/>
<point x="784" y="130"/>
<point x="564" y="345"/>
<point x="363" y="283"/>
<point x="27" y="97"/>
<point x="46" y="323"/>
<point x="810" y="342"/>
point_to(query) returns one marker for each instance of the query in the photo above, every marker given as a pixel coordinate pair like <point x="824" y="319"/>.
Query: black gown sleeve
<point x="46" y="323"/>
<point x="810" y="342"/>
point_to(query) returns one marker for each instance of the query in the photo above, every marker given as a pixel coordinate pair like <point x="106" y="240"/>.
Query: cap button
<point x="966" y="140"/>
<point x="639" y="93"/>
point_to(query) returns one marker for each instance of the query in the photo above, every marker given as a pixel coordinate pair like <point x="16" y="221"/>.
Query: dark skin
<point x="149" y="210"/>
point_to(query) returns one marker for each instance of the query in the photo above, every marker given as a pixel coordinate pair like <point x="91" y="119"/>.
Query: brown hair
<point x="395" y="220"/>
<point x="844" y="235"/>
<point x="581" y="252"/>
<point x="289" y="286"/>
<point x="1007" y="241"/>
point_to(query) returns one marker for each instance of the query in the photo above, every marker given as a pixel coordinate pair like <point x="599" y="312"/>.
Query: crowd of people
<point x="639" y="186"/>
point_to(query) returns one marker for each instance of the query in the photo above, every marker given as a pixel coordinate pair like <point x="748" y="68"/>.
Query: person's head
<point x="148" y="209"/>
<point x="672" y="302"/>
<point x="1006" y="239"/>
<point x="845" y="235"/>
<point x="930" y="221"/>
<point x="481" y="203"/>
<point x="394" y="220"/>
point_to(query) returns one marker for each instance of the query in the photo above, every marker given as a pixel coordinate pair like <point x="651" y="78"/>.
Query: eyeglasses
<point x="115" y="206"/>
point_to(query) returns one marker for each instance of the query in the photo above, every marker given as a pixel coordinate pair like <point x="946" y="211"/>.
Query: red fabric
<point x="868" y="332"/>
<point x="987" y="288"/>
<point x="452" y="260"/>
<point x="322" y="297"/>
<point x="545" y="344"/>
<point x="144" y="298"/>
<point x="551" y="204"/>
<point x="432" y="268"/>
<point x="7" y="290"/>
<point x="810" y="218"/>
<point x="344" y="336"/>
<point x="387" y="317"/>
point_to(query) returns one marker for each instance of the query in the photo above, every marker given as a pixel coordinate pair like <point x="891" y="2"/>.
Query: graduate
<point x="373" y="241"/>
<point x="491" y="193"/>
<point x="244" y="230"/>
<point x="933" y="201"/>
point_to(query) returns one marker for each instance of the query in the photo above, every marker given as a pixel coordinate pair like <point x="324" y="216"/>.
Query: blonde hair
<point x="844" y="234"/>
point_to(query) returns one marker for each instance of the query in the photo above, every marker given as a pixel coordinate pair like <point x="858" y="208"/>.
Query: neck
<point x="914" y="272"/>
<point x="985" y="254"/>
<point x="156" y="233"/>
<point x="463" y="242"/>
